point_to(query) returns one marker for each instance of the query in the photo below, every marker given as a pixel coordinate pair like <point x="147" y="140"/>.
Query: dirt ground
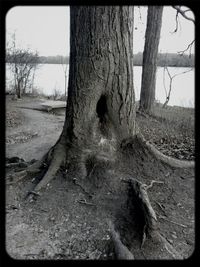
<point x="70" y="221"/>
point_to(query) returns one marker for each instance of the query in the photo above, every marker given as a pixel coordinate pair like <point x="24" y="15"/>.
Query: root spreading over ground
<point x="119" y="198"/>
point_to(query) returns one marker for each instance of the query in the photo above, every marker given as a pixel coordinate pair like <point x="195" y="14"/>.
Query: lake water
<point x="50" y="77"/>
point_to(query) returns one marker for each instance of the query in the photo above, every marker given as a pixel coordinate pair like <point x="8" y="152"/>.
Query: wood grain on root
<point x="121" y="251"/>
<point x="176" y="163"/>
<point x="58" y="157"/>
<point x="139" y="193"/>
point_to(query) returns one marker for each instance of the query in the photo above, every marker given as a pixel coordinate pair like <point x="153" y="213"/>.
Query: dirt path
<point x="60" y="225"/>
<point x="36" y="133"/>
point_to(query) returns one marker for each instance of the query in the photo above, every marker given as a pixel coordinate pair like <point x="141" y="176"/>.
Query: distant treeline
<point x="54" y="60"/>
<point x="169" y="59"/>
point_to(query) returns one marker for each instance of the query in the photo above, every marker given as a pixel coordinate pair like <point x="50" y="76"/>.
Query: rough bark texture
<point x="100" y="89"/>
<point x="152" y="37"/>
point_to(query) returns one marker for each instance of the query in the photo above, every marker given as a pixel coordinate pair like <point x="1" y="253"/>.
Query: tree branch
<point x="188" y="47"/>
<point x="182" y="12"/>
<point x="176" y="29"/>
<point x="170" y="85"/>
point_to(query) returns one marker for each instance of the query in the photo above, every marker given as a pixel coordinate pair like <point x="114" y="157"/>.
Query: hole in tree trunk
<point x="104" y="125"/>
<point x="101" y="108"/>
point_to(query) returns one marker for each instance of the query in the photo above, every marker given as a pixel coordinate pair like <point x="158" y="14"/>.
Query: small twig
<point x="162" y="217"/>
<point x="146" y="187"/>
<point x="161" y="207"/>
<point x="76" y="183"/>
<point x="188" y="47"/>
<point x="143" y="236"/>
<point x="43" y="210"/>
<point x="83" y="201"/>
<point x="13" y="207"/>
<point x="30" y="254"/>
<point x="34" y="193"/>
<point x="176" y="29"/>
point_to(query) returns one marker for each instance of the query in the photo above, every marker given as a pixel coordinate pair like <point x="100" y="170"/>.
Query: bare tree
<point x="23" y="63"/>
<point x="183" y="11"/>
<point x="168" y="94"/>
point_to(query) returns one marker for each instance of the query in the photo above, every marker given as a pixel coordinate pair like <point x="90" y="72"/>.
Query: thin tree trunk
<point x="18" y="89"/>
<point x="152" y="37"/>
<point x="65" y="85"/>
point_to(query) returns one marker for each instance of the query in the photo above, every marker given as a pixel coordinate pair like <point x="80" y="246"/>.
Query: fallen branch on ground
<point x="180" y="224"/>
<point x="161" y="207"/>
<point x="83" y="201"/>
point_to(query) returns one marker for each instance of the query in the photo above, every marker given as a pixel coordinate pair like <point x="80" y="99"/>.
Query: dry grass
<point x="171" y="130"/>
<point x="182" y="118"/>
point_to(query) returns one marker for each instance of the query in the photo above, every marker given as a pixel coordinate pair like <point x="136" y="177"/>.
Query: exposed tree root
<point x="172" y="162"/>
<point x="31" y="169"/>
<point x="121" y="251"/>
<point x="17" y="177"/>
<point x="52" y="160"/>
<point x="57" y="156"/>
<point x="146" y="187"/>
<point x="36" y="167"/>
<point x="17" y="164"/>
<point x="139" y="193"/>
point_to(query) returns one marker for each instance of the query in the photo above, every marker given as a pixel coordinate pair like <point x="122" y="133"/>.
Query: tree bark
<point x="152" y="37"/>
<point x="100" y="87"/>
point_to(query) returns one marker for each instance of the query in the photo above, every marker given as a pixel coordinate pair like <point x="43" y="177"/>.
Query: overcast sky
<point x="46" y="29"/>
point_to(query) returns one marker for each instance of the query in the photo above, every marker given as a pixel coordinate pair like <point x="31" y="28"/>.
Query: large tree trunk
<point x="100" y="89"/>
<point x="152" y="37"/>
<point x="101" y="100"/>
